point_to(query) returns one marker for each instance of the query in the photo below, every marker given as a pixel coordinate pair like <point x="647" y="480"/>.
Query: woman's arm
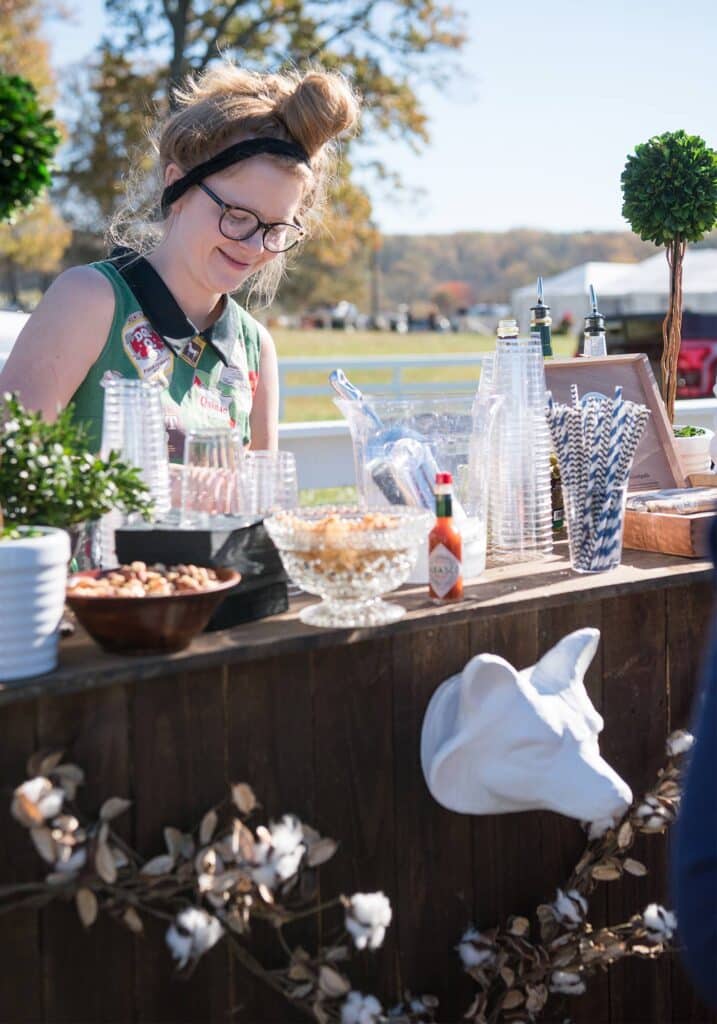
<point x="60" y="342"/>
<point x="264" y="417"/>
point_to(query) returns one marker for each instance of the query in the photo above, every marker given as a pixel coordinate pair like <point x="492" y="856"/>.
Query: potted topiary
<point x="28" y="140"/>
<point x="669" y="188"/>
<point x="49" y="484"/>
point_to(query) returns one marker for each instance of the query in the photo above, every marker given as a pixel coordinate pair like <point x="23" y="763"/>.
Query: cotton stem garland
<point x="217" y="881"/>
<point x="595" y="442"/>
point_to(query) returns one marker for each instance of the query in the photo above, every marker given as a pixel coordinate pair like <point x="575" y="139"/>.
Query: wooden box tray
<point x="686" y="535"/>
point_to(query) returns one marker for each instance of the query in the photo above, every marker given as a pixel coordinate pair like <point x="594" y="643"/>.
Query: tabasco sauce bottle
<point x="445" y="547"/>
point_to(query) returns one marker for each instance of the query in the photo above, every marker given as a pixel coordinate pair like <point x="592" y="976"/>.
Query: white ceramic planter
<point x="33" y="576"/>
<point x="694" y="452"/>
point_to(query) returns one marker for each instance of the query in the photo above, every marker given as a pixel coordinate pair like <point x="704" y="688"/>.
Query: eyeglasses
<point x="239" y="224"/>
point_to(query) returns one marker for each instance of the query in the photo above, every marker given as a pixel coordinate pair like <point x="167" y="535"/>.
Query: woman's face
<point x="270" y="191"/>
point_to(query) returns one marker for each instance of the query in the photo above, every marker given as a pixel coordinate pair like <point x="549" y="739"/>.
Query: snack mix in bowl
<point x="147" y="609"/>
<point x="349" y="557"/>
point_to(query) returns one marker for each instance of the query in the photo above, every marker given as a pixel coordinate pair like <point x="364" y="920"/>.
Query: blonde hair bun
<point x="321" y="107"/>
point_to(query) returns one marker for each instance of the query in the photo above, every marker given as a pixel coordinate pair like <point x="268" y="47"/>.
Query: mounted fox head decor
<point x="496" y="740"/>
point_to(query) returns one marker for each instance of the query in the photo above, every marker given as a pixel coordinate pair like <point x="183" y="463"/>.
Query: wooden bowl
<point x="148" y="625"/>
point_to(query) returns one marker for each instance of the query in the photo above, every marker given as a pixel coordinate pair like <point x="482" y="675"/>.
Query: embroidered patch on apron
<point x="145" y="349"/>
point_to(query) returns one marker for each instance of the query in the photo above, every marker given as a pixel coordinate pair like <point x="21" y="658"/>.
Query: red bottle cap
<point x="444" y="478"/>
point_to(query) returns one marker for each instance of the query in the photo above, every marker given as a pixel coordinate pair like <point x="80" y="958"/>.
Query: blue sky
<point x="551" y="98"/>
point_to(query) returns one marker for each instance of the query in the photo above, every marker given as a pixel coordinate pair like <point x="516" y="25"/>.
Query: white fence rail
<point x="394" y="367"/>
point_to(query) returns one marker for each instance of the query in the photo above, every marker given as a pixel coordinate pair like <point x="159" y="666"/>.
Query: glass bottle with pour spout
<point x="541" y="323"/>
<point x="594" y="343"/>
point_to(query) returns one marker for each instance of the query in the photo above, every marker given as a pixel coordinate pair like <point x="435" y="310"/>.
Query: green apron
<point x="210" y="378"/>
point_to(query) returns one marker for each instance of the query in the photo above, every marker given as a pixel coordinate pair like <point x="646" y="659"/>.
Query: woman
<point x="243" y="163"/>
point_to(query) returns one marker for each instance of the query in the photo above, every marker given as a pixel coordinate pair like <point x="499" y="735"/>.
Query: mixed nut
<point x="140" y="580"/>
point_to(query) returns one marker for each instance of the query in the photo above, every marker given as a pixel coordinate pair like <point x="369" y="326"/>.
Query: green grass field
<point x="293" y="344"/>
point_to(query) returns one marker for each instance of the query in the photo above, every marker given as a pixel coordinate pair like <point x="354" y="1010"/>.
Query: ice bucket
<point x="399" y="443"/>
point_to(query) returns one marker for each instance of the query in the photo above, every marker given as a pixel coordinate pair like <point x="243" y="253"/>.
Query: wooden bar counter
<point x="326" y="724"/>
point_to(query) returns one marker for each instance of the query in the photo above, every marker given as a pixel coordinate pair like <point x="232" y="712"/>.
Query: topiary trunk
<point x="672" y="327"/>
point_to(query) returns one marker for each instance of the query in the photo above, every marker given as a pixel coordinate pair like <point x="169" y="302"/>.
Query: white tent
<point x="623" y="288"/>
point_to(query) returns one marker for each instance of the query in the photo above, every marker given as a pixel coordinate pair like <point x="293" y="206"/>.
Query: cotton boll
<point x="367" y="917"/>
<point x="567" y="983"/>
<point x="679" y="742"/>
<point x="570" y="908"/>
<point x="191" y="934"/>
<point x="360" y="1009"/>
<point x="660" y="924"/>
<point x="474" y="949"/>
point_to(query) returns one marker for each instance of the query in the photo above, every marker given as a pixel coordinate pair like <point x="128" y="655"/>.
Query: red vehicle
<point x="697" y="363"/>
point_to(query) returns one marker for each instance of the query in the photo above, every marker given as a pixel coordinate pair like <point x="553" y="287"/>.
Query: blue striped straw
<point x="611" y="512"/>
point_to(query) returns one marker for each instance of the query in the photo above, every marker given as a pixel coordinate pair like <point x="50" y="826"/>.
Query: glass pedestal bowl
<point x="349" y="557"/>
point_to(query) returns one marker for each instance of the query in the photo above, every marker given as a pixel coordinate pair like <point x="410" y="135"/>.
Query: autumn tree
<point x="35" y="243"/>
<point x="36" y="239"/>
<point x="23" y="50"/>
<point x="381" y="45"/>
<point x="108" y="133"/>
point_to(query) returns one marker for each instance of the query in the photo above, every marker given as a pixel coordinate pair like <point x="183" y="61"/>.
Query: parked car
<point x="697" y="363"/>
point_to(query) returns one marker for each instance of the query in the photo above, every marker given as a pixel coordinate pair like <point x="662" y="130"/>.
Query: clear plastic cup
<point x="213" y="484"/>
<point x="133" y="425"/>
<point x="272" y="482"/>
<point x="520" y="521"/>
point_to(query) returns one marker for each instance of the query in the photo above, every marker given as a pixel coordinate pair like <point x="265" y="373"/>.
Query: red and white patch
<point x="145" y="349"/>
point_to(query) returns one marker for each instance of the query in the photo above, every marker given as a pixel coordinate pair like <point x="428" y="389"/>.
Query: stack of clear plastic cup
<point x="520" y="515"/>
<point x="133" y="424"/>
<point x="272" y="481"/>
<point x="214" y="481"/>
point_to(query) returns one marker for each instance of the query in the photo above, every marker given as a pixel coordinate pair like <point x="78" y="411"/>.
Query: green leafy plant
<point x="669" y="188"/>
<point x="18" y="532"/>
<point x="48" y="477"/>
<point x="28" y="140"/>
<point x="688" y="431"/>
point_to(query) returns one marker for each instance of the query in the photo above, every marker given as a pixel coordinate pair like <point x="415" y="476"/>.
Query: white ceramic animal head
<point x="497" y="740"/>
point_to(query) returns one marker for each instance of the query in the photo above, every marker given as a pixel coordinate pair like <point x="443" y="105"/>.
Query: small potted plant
<point x="49" y="484"/>
<point x="693" y="444"/>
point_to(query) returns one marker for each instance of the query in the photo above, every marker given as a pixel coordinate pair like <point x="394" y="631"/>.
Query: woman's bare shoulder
<point x="84" y="283"/>
<point x="61" y="340"/>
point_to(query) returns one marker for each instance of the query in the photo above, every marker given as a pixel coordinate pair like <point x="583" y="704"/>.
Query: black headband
<point x="232" y="155"/>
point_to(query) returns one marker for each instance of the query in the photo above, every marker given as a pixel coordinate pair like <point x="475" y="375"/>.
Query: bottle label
<point x="444" y="570"/>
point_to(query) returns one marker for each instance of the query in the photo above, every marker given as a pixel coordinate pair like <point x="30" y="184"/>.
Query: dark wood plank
<point x="506" y="589"/>
<point x="270" y="745"/>
<point x="353" y="720"/>
<point x="435" y="880"/>
<point x="689" y="610"/>
<point x="563" y="841"/>
<point x="636" y="717"/>
<point x="21" y="994"/>
<point x="179" y="762"/>
<point x="92" y="730"/>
